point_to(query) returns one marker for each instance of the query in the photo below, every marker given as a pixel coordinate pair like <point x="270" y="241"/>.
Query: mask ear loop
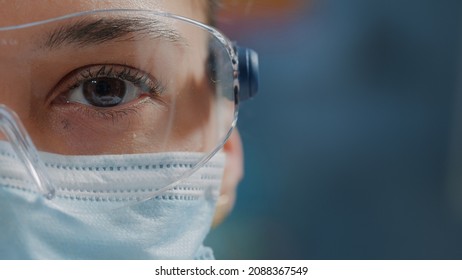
<point x="16" y="134"/>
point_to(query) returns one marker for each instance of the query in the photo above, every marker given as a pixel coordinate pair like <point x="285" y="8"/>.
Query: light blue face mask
<point x="97" y="213"/>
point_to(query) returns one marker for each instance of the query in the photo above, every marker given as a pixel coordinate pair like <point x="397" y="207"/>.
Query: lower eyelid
<point x="76" y="110"/>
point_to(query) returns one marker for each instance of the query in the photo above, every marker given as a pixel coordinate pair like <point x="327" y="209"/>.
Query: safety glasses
<point x="117" y="82"/>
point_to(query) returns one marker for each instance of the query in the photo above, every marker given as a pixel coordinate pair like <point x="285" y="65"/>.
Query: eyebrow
<point x="93" y="32"/>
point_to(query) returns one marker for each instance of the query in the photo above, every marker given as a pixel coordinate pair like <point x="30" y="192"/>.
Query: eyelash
<point x="127" y="73"/>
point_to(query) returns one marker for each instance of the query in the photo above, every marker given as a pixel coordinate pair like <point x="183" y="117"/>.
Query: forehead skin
<point x="24" y="11"/>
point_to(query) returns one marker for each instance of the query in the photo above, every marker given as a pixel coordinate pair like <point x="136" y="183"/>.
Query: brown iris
<point x="104" y="92"/>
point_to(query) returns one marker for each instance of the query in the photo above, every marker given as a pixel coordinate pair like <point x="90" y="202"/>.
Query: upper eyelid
<point x="132" y="75"/>
<point x="125" y="72"/>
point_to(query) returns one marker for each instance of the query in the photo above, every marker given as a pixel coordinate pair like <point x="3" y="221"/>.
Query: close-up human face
<point x="115" y="82"/>
<point x="116" y="127"/>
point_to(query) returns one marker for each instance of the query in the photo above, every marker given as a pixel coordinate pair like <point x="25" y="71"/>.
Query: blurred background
<point x="353" y="147"/>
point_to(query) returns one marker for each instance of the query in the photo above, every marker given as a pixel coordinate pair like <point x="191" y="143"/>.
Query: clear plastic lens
<point x="119" y="82"/>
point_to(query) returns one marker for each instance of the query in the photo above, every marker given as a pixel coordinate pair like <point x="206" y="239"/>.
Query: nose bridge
<point x="17" y="51"/>
<point x="14" y="83"/>
<point x="15" y="109"/>
<point x="12" y="130"/>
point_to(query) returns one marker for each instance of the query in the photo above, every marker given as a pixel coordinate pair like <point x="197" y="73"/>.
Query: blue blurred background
<point x="354" y="145"/>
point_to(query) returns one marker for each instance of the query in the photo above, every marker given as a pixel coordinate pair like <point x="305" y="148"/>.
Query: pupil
<point x="104" y="92"/>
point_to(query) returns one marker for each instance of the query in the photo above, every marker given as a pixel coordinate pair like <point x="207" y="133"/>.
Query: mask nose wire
<point x="25" y="150"/>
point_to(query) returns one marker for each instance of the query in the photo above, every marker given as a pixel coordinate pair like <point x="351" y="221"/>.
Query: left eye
<point x="104" y="92"/>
